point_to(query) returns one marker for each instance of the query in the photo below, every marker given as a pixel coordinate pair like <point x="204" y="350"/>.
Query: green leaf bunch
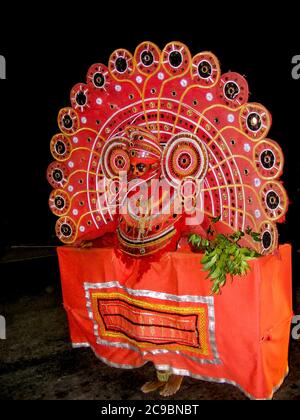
<point x="223" y="255"/>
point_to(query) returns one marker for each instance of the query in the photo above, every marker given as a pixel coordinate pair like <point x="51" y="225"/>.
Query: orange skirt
<point x="167" y="316"/>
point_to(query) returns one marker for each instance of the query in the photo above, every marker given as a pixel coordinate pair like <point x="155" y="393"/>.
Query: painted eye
<point x="140" y="167"/>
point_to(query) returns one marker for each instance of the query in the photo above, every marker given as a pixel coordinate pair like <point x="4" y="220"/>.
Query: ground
<point x="38" y="362"/>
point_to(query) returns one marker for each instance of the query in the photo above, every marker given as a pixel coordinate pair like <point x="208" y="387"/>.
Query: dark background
<point x="49" y="51"/>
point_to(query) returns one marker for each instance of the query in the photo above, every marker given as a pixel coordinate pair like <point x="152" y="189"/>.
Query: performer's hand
<point x="86" y="244"/>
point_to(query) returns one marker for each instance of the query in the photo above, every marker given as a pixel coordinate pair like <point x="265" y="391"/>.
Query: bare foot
<point x="172" y="386"/>
<point x="152" y="386"/>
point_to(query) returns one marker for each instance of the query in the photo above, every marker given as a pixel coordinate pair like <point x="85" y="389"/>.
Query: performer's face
<point x="139" y="169"/>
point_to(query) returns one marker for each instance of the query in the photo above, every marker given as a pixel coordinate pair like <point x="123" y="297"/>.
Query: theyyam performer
<point x="157" y="147"/>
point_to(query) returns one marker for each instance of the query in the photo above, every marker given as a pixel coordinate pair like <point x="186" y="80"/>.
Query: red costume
<point x="153" y="146"/>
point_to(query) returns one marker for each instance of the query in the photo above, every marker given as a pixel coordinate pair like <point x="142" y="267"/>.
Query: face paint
<point x="139" y="169"/>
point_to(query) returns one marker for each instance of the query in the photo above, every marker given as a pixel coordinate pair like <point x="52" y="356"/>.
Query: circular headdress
<point x="177" y="108"/>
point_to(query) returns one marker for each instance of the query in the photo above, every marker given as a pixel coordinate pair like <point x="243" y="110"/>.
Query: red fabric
<point x="249" y="321"/>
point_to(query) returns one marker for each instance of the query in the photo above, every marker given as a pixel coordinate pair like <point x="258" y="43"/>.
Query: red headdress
<point x="144" y="146"/>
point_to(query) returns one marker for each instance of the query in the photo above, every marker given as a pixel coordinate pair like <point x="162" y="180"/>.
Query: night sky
<point x="46" y="59"/>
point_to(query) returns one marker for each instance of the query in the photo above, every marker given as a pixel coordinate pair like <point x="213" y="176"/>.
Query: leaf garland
<point x="223" y="255"/>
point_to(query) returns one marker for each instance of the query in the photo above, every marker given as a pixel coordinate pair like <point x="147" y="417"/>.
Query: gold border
<point x="203" y="320"/>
